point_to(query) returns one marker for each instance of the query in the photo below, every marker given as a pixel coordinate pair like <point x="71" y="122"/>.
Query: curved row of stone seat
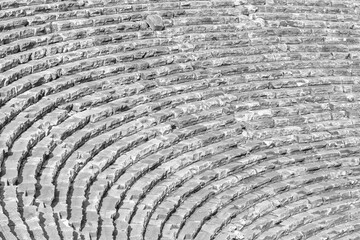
<point x="8" y="225"/>
<point x="194" y="183"/>
<point x="319" y="205"/>
<point x="40" y="52"/>
<point x="163" y="115"/>
<point x="36" y="152"/>
<point x="49" y="90"/>
<point x="250" y="233"/>
<point x="227" y="199"/>
<point x="187" y="97"/>
<point x="324" y="144"/>
<point x="70" y="82"/>
<point x="31" y="221"/>
<point x="236" y="165"/>
<point x="132" y="174"/>
<point x="10" y="169"/>
<point x="225" y="209"/>
<point x="169" y="4"/>
<point x="330" y="222"/>
<point x="30" y="213"/>
<point x="75" y="216"/>
<point x="319" y="3"/>
<point x="67" y="59"/>
<point x="167" y="185"/>
<point x="191" y="129"/>
<point x="297" y="211"/>
<point x="290" y="16"/>
<point x="9" y="4"/>
<point x="127" y="26"/>
<point x="72" y="11"/>
<point x="293" y="8"/>
<point x="339" y="95"/>
<point x="30" y="10"/>
<point x="123" y="21"/>
<point x="345" y="231"/>
<point x="48" y="59"/>
<point x="103" y="162"/>
<point x="127" y="5"/>
<point x="26" y="118"/>
<point x="115" y="69"/>
<point x="7" y="65"/>
<point x="310" y="24"/>
<point x="21" y="87"/>
<point x="312" y="3"/>
<point x="11" y="202"/>
<point x="104" y="96"/>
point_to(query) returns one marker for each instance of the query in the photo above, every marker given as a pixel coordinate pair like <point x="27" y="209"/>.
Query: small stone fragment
<point x="155" y="22"/>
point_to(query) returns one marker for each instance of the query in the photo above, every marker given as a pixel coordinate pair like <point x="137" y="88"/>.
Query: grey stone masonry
<point x="179" y="120"/>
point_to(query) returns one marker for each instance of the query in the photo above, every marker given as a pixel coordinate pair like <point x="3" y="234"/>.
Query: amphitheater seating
<point x="210" y="119"/>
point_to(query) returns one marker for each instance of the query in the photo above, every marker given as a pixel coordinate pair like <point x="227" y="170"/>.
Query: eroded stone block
<point x="155" y="22"/>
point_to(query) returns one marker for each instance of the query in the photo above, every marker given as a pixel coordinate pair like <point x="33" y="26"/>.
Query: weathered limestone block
<point x="155" y="22"/>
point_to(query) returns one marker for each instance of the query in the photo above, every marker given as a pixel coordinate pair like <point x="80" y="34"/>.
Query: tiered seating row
<point x="233" y="119"/>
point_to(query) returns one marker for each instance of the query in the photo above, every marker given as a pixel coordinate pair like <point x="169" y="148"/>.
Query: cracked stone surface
<point x="179" y="120"/>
